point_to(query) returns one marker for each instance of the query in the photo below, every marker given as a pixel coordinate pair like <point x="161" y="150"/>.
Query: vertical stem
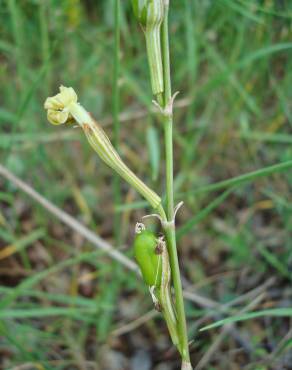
<point x="168" y="128"/>
<point x="45" y="41"/>
<point x="168" y="121"/>
<point x="170" y="229"/>
<point x="17" y="26"/>
<point x="116" y="108"/>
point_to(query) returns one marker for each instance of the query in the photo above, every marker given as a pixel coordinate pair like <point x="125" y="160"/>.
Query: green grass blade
<point x="78" y="313"/>
<point x="272" y="260"/>
<point x="273" y="312"/>
<point x="238" y="180"/>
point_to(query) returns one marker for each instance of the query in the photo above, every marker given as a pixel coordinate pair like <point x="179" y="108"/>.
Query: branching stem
<point x="169" y="228"/>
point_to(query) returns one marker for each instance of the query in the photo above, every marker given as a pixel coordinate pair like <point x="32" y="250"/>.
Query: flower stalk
<point x="64" y="108"/>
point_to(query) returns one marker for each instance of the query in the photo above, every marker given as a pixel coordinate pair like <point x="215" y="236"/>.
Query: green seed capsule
<point x="148" y="257"/>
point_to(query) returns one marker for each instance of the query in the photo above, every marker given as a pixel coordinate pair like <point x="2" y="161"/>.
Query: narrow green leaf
<point x="53" y="297"/>
<point x="22" y="243"/>
<point x="268" y="137"/>
<point x="247" y="177"/>
<point x="273" y="312"/>
<point x="37" y="277"/>
<point x="274" y="261"/>
<point x="79" y="313"/>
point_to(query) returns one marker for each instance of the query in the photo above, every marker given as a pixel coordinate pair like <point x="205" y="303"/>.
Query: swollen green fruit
<point x="152" y="257"/>
<point x="148" y="257"/>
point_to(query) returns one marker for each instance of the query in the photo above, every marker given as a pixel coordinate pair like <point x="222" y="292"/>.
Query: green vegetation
<point x="63" y="302"/>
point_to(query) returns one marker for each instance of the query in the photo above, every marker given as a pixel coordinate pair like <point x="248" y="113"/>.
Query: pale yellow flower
<point x="64" y="107"/>
<point x="58" y="106"/>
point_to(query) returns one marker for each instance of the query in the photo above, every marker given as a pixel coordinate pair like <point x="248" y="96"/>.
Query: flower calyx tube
<point x="150" y="14"/>
<point x="64" y="108"/>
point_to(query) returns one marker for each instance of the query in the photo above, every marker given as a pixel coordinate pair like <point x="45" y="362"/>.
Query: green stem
<point x="168" y="136"/>
<point x="116" y="123"/>
<point x="169" y="227"/>
<point x="169" y="315"/>
<point x="45" y="41"/>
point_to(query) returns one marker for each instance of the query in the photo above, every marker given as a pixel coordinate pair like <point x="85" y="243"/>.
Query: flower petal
<point x="58" y="105"/>
<point x="57" y="117"/>
<point x="67" y="95"/>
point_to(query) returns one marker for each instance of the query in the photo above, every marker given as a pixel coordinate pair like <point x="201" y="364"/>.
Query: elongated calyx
<point x="150" y="14"/>
<point x="64" y="108"/>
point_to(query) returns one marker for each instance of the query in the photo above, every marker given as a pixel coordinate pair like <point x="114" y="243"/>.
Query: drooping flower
<point x="58" y="106"/>
<point x="64" y="108"/>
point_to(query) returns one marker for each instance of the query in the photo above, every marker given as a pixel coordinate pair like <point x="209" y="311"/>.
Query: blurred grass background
<point x="64" y="304"/>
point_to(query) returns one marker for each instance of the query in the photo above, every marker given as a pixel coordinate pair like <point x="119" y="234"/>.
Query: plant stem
<point x="116" y="123"/>
<point x="170" y="228"/>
